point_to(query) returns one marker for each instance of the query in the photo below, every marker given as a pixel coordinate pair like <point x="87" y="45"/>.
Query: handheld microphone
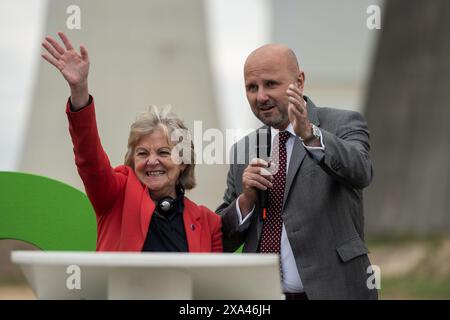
<point x="263" y="152"/>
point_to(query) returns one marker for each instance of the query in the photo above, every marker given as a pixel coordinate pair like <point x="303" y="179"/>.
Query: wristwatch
<point x="315" y="134"/>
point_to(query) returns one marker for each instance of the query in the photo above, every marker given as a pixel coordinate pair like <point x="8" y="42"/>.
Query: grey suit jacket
<point x="323" y="207"/>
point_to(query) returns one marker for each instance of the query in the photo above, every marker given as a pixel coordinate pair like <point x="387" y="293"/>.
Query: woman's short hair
<point x="177" y="134"/>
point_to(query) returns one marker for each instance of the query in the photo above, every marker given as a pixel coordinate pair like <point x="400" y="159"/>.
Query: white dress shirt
<point x="291" y="277"/>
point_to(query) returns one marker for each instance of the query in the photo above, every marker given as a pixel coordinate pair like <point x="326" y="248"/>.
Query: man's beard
<point x="280" y="118"/>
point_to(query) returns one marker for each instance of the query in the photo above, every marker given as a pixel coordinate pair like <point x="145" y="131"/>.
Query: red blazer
<point x="122" y="203"/>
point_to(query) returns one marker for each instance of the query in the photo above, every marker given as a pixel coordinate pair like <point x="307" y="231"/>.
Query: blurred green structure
<point x="46" y="213"/>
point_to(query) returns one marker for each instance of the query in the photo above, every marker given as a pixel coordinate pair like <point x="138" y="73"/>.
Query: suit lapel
<point x="136" y="215"/>
<point x="299" y="151"/>
<point x="312" y="112"/>
<point x="147" y="209"/>
<point x="297" y="156"/>
<point x="192" y="226"/>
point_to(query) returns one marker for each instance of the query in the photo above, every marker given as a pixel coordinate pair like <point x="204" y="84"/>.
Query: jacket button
<point x="335" y="164"/>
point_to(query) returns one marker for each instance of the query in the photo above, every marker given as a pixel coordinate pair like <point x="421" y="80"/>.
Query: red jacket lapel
<point x="192" y="225"/>
<point x="147" y="209"/>
<point x="136" y="215"/>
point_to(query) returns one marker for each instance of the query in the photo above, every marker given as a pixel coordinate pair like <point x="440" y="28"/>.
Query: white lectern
<point x="98" y="275"/>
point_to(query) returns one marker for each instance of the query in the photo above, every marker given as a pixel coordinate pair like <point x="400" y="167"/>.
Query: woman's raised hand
<point x="73" y="66"/>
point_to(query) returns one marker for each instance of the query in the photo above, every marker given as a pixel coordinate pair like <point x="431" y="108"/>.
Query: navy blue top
<point x="166" y="231"/>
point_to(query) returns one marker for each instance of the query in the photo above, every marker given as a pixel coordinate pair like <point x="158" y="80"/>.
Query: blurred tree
<point x="408" y="111"/>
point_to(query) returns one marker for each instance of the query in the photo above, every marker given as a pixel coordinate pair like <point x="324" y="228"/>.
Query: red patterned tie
<point x="271" y="233"/>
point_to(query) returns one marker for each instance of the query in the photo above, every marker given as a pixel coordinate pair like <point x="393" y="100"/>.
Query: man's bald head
<point x="278" y="54"/>
<point x="268" y="72"/>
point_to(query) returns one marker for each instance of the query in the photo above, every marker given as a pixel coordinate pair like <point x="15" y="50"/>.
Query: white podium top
<point x="143" y="259"/>
<point x="117" y="275"/>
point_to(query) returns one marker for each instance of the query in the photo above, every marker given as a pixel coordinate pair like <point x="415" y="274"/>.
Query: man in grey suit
<point x="320" y="237"/>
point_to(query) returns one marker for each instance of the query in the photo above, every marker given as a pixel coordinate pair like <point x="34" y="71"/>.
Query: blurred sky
<point x="21" y="23"/>
<point x="234" y="29"/>
<point x="21" y="31"/>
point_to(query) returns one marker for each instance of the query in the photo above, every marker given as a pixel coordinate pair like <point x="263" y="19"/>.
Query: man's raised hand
<point x="297" y="112"/>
